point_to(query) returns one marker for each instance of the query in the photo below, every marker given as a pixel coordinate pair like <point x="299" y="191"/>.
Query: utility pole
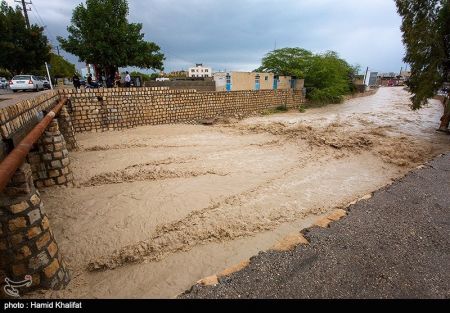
<point x="57" y="48"/>
<point x="25" y="11"/>
<point x="365" y="76"/>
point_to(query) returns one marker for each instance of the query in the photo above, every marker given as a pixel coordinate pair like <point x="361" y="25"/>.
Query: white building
<point x="200" y="71"/>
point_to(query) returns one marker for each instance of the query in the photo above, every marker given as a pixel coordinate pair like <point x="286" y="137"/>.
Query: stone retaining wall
<point x="116" y="109"/>
<point x="27" y="245"/>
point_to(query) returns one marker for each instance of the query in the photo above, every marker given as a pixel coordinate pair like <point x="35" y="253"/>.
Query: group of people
<point x="113" y="80"/>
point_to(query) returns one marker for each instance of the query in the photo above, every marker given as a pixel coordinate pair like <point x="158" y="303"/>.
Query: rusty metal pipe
<point x="16" y="157"/>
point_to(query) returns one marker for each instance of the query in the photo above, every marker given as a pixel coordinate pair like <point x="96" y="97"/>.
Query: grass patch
<point x="278" y="109"/>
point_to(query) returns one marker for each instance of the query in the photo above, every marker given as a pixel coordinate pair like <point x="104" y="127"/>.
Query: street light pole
<point x="48" y="74"/>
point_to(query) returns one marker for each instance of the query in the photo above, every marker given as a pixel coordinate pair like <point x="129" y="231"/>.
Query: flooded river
<point x="157" y="208"/>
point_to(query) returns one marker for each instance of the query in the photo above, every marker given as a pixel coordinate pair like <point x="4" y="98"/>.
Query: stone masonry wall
<point x="50" y="162"/>
<point x="28" y="249"/>
<point x="115" y="109"/>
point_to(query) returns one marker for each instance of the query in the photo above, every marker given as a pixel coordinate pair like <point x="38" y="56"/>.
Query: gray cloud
<point x="236" y="34"/>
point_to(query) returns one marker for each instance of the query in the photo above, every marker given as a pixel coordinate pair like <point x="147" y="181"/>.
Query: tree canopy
<point x="59" y="67"/>
<point x="426" y="35"/>
<point x="327" y="77"/>
<point x="101" y="34"/>
<point x="22" y="50"/>
<point x="287" y="62"/>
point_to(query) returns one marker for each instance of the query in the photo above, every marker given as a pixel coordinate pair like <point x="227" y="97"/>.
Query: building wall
<point x="221" y="81"/>
<point x="200" y="71"/>
<point x="284" y="82"/>
<point x="246" y="81"/>
<point x="115" y="109"/>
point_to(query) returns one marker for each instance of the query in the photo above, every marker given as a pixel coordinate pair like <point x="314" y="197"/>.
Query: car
<point x="3" y="83"/>
<point x="45" y="81"/>
<point x="26" y="82"/>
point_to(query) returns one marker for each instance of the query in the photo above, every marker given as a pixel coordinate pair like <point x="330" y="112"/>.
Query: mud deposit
<point x="157" y="208"/>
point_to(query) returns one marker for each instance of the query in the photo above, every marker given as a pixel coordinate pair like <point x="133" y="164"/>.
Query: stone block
<point x="17" y="239"/>
<point x="33" y="232"/>
<point x="65" y="161"/>
<point x="43" y="240"/>
<point x="34" y="216"/>
<point x="51" y="269"/>
<point x="45" y="223"/>
<point x="56" y="164"/>
<point x="58" y="155"/>
<point x="35" y="199"/>
<point x="38" y="261"/>
<point x="53" y="173"/>
<point x="49" y="182"/>
<point x="23" y="253"/>
<point x="47" y="157"/>
<point x="61" y="180"/>
<point x="19" y="207"/>
<point x="52" y="249"/>
<point x="17" y="223"/>
<point x="58" y="146"/>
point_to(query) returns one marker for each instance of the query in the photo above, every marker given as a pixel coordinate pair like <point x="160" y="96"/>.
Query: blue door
<point x="257" y="82"/>
<point x="229" y="82"/>
<point x="275" y="83"/>
<point x="293" y="81"/>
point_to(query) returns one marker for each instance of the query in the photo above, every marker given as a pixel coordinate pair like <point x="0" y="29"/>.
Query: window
<point x="266" y="78"/>
<point x="206" y="71"/>
<point x="192" y="71"/>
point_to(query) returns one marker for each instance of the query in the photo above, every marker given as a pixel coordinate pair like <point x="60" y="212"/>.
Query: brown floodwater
<point x="157" y="208"/>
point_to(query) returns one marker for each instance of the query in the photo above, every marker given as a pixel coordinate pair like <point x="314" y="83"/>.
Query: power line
<point x="40" y="20"/>
<point x="42" y="23"/>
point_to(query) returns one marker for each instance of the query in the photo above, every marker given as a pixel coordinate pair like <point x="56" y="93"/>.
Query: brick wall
<point x="115" y="109"/>
<point x="199" y="85"/>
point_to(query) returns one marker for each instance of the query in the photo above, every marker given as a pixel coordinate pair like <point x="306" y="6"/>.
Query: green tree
<point x="426" y="35"/>
<point x="59" y="67"/>
<point x="327" y="77"/>
<point x="21" y="49"/>
<point x="100" y="34"/>
<point x="287" y="62"/>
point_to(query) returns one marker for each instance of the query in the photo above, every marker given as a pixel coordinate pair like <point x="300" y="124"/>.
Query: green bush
<point x="281" y="108"/>
<point x="326" y="95"/>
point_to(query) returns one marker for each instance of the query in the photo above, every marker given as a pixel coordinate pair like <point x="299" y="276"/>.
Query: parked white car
<point x="26" y="82"/>
<point x="45" y="81"/>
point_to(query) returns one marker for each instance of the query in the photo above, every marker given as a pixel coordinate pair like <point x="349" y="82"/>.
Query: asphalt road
<point x="394" y="245"/>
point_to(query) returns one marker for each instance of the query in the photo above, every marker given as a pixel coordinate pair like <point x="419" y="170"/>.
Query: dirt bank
<point x="157" y="208"/>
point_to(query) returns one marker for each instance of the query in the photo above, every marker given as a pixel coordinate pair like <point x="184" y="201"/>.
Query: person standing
<point x="89" y="80"/>
<point x="117" y="79"/>
<point x="76" y="81"/>
<point x="127" y="80"/>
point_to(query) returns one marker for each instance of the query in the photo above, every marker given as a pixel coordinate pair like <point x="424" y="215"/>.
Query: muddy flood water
<point x="157" y="208"/>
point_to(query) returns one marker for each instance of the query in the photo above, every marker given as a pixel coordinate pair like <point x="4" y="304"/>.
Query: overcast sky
<point x="236" y="34"/>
